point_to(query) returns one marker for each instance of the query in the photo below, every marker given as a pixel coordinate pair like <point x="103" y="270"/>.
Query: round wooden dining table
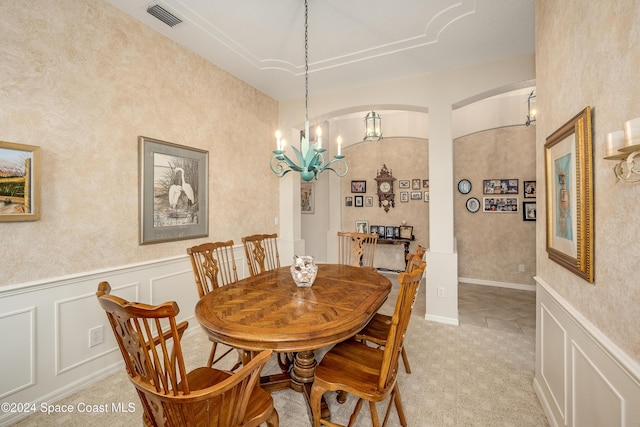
<point x="269" y="311"/>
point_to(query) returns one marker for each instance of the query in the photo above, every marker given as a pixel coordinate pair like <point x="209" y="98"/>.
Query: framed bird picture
<point x="174" y="201"/>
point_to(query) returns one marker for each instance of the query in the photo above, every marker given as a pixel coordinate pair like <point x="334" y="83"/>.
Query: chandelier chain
<point x="306" y="61"/>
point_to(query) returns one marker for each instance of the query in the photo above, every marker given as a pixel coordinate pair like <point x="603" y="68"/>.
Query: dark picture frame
<point x="529" y="211"/>
<point x="174" y="195"/>
<point x="568" y="155"/>
<point x="500" y="186"/>
<point x="358" y="186"/>
<point x="529" y="189"/>
<point x="19" y="182"/>
<point x="358" y="201"/>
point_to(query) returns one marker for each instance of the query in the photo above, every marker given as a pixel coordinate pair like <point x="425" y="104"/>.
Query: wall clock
<point x="386" y="196"/>
<point x="464" y="186"/>
<point x="473" y="205"/>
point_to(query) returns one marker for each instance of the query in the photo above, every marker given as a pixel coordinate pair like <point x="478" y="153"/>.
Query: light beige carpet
<point x="462" y="376"/>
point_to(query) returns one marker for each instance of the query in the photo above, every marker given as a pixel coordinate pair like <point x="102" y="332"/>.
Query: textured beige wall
<point x="491" y="246"/>
<point x="587" y="54"/>
<point x="82" y="80"/>
<point x="407" y="158"/>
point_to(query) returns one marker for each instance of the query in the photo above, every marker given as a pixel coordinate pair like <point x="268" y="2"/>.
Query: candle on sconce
<point x="614" y="141"/>
<point x="278" y="135"/>
<point x="632" y="132"/>
<point x="319" y="133"/>
<point x="339" y="146"/>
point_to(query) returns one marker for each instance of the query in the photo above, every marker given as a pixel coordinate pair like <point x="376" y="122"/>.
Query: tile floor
<point x="492" y="307"/>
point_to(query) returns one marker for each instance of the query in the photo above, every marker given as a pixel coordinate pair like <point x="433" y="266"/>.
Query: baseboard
<point x="442" y="319"/>
<point x="519" y="286"/>
<point x="544" y="403"/>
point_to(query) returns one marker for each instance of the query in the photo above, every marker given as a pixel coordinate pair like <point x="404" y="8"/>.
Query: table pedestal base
<point x="300" y="379"/>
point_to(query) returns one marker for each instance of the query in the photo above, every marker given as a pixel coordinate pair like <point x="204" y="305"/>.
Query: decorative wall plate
<point x="464" y="186"/>
<point x="473" y="205"/>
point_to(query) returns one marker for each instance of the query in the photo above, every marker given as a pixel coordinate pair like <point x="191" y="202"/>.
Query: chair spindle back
<point x="261" y="251"/>
<point x="213" y="265"/>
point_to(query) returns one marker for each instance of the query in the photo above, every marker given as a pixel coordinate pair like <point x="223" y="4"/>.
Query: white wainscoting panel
<point x="552" y="349"/>
<point x="18" y="332"/>
<point x="45" y="326"/>
<point x="582" y="378"/>
<point x="596" y="401"/>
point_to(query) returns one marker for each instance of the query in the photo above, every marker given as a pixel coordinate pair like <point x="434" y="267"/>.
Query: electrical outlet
<point x="96" y="336"/>
<point x="440" y="292"/>
<point x="521" y="268"/>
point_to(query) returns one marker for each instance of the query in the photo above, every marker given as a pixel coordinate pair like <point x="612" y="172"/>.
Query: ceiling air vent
<point x="164" y="15"/>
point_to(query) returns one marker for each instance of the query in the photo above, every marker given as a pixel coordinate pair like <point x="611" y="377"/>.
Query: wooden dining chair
<point x="213" y="266"/>
<point x="262" y="253"/>
<point x="377" y="329"/>
<point x="356" y="249"/>
<point x="149" y="340"/>
<point x="413" y="259"/>
<point x="369" y="373"/>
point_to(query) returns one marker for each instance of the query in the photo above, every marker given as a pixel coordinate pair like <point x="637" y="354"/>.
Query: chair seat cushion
<point x="351" y="366"/>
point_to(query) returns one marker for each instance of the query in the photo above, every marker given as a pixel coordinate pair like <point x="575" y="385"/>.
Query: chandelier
<point x="372" y="127"/>
<point x="531" y="108"/>
<point x="310" y="158"/>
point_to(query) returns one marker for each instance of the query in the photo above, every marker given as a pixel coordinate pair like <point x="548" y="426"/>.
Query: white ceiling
<point x="351" y="42"/>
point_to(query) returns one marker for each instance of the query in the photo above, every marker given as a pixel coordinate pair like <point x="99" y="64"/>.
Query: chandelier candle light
<point x="310" y="158"/>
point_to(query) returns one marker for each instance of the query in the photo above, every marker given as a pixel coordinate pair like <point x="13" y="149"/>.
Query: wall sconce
<point x="372" y="127"/>
<point x="627" y="144"/>
<point x="531" y="108"/>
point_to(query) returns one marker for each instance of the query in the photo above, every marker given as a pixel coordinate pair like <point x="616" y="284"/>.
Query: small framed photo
<point x="416" y="195"/>
<point x="373" y="229"/>
<point x="528" y="211"/>
<point x="406" y="231"/>
<point x="404" y="183"/>
<point x="389" y="232"/>
<point x="500" y="204"/>
<point x="529" y="189"/>
<point x="358" y="186"/>
<point x="368" y="201"/>
<point x="415" y="184"/>
<point x="381" y="231"/>
<point x="425" y="183"/>
<point x="20" y="182"/>
<point x="426" y="196"/>
<point x="396" y="232"/>
<point x="362" y="226"/>
<point x="404" y="196"/>
<point x="358" y="201"/>
<point x="348" y="201"/>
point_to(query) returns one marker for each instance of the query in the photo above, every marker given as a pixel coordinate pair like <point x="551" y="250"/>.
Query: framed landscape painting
<point x="174" y="203"/>
<point x="19" y="182"/>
